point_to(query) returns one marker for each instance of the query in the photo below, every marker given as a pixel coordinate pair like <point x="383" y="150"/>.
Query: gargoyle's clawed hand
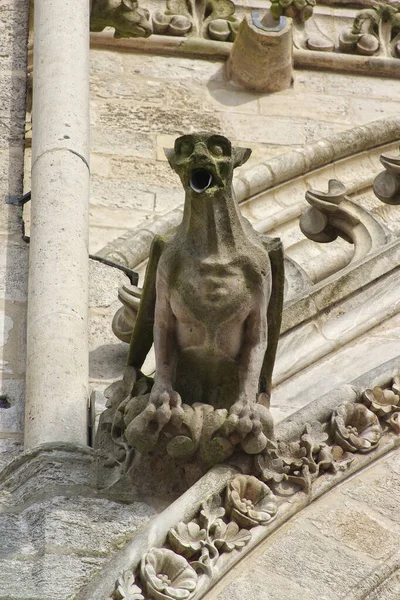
<point x="164" y="406"/>
<point x="252" y="422"/>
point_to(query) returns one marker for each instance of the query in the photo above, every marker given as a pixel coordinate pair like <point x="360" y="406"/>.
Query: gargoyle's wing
<point x="142" y="335"/>
<point x="274" y="248"/>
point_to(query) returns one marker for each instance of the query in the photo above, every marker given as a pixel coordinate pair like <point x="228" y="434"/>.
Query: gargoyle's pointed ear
<point x="240" y="156"/>
<point x="170" y="154"/>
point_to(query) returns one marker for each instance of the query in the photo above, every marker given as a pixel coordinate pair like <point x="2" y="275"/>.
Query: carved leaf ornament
<point x="224" y="524"/>
<point x="375" y="30"/>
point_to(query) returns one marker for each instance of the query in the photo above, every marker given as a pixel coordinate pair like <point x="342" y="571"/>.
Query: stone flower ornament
<point x="381" y="402"/>
<point x="250" y="502"/>
<point x="355" y="428"/>
<point x="167" y="575"/>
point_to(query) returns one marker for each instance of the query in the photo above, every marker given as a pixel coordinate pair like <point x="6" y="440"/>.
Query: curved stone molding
<point x="207" y="531"/>
<point x="332" y="214"/>
<point x="387" y="183"/>
<point x="376" y="66"/>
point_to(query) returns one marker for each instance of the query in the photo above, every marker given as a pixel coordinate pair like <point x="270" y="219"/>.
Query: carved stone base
<point x="132" y="439"/>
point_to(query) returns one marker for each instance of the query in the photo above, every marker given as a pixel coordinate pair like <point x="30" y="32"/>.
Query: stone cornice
<point x="378" y="66"/>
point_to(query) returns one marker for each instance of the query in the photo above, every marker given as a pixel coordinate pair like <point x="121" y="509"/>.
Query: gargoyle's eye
<point x="216" y="149"/>
<point x="185" y="149"/>
<point x="217" y="146"/>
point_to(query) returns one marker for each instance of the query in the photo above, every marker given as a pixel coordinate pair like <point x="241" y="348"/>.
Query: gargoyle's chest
<point x="210" y="293"/>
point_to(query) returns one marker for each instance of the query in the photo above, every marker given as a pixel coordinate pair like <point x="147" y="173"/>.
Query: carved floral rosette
<point x="194" y="548"/>
<point x="225" y="524"/>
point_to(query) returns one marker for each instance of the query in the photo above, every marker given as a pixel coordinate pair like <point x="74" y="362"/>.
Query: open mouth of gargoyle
<point x="201" y="180"/>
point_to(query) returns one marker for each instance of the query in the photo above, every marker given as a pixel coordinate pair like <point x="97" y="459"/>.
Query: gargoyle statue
<point x="212" y="300"/>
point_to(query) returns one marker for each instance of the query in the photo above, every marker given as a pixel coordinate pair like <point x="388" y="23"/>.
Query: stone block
<point x="144" y="119"/>
<point x="101" y="236"/>
<point x="168" y="199"/>
<point x="225" y="97"/>
<point x="254" y="584"/>
<point x="13" y="35"/>
<point x="12" y="131"/>
<point x="13" y="267"/>
<point x="54" y="576"/>
<point x="184" y="69"/>
<point x="105" y="62"/>
<point x="11" y="172"/>
<point x="152" y="173"/>
<point x="107" y="355"/>
<point x="116" y="218"/>
<point x="119" y="142"/>
<point x="10" y="448"/>
<point x="123" y="194"/>
<point x="12" y="339"/>
<point x="85" y="527"/>
<point x="104" y="282"/>
<point x="12" y="405"/>
<point x="364" y="110"/>
<point x="381" y="491"/>
<point x="302" y="105"/>
<point x="189" y="96"/>
<point x="138" y="90"/>
<point x="354" y="528"/>
<point x="313" y="562"/>
<point x="12" y="93"/>
<point x="263" y="130"/>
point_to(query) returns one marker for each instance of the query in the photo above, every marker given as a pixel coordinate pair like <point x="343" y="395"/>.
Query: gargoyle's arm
<point x="255" y="340"/>
<point x="164" y="337"/>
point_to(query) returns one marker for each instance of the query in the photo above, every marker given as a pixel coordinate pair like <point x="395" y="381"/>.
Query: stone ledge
<point x="376" y="66"/>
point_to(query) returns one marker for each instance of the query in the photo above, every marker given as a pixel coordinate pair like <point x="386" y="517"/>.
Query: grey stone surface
<point x="107" y="355"/>
<point x="12" y="405"/>
<point x="334" y="549"/>
<point x="56" y="530"/>
<point x="10" y="448"/>
<point x="104" y="281"/>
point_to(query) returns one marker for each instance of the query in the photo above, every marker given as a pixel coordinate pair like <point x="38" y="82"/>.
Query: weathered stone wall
<point x="141" y="103"/>
<point x="338" y="547"/>
<point x="13" y="250"/>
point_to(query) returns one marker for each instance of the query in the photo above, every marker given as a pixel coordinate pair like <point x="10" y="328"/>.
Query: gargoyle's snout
<point x="200" y="180"/>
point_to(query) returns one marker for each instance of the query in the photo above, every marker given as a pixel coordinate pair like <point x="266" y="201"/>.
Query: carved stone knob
<point x="387" y="183"/>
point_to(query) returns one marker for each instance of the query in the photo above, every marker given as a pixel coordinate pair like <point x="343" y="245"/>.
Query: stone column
<point x="57" y="345"/>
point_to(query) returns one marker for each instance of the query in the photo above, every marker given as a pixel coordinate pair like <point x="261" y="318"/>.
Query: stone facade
<point x="68" y="528"/>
